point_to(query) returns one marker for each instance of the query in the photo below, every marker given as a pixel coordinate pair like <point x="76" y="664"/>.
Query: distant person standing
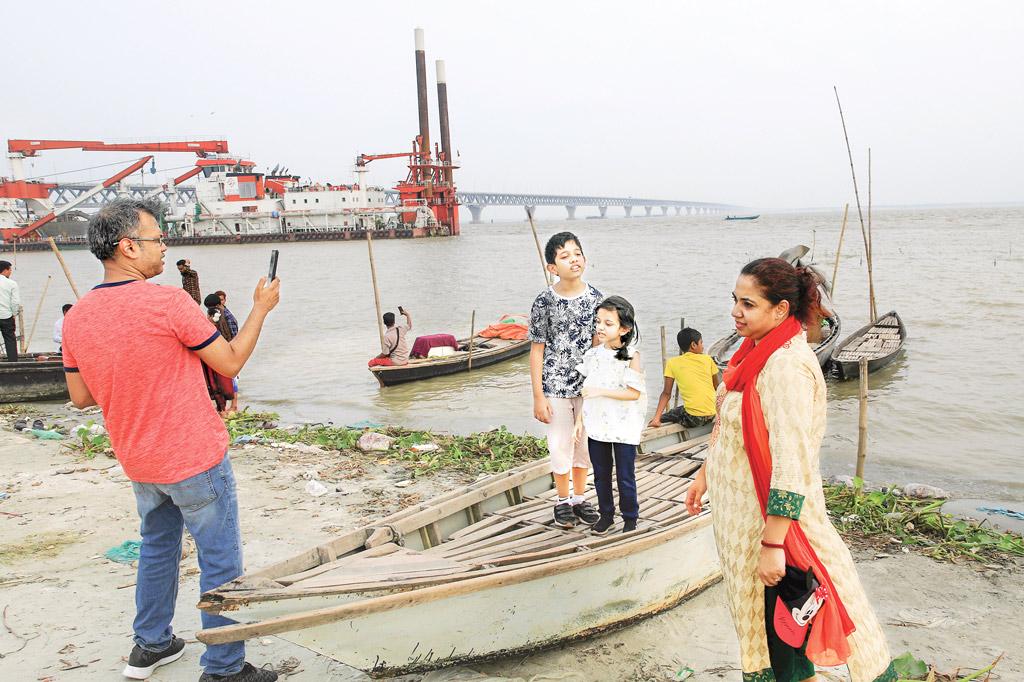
<point x="232" y="322"/>
<point x="10" y="305"/>
<point x="137" y="349"/>
<point x="190" y="280"/>
<point x="58" y="326"/>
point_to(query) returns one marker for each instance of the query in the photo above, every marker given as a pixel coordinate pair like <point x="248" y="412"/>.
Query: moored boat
<point x="39" y="376"/>
<point x="879" y="342"/>
<point x="722" y="350"/>
<point x="743" y="217"/>
<point x="472" y="575"/>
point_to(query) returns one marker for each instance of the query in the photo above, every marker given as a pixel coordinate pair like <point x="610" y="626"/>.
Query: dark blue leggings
<point x="601" y="459"/>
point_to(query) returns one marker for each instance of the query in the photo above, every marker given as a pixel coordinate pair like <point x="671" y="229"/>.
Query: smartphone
<point x="273" y="266"/>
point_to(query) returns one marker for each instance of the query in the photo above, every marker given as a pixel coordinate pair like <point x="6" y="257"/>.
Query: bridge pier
<point x="476" y="212"/>
<point x="648" y="210"/>
<point x="571" y="210"/>
<point x="629" y="211"/>
<point x="677" y="209"/>
<point x="603" y="210"/>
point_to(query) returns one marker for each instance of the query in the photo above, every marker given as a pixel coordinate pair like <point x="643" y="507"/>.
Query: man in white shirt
<point x="10" y="305"/>
<point x="58" y="326"/>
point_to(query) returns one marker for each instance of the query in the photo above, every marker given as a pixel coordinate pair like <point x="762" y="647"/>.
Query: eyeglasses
<point x="143" y="239"/>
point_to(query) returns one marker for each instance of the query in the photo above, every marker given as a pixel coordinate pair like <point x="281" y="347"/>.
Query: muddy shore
<point x="67" y="610"/>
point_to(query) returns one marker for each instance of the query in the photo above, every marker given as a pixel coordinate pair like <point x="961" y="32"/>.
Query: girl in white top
<point x="613" y="410"/>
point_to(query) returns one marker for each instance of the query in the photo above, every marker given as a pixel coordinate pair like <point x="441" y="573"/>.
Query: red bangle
<point x="773" y="545"/>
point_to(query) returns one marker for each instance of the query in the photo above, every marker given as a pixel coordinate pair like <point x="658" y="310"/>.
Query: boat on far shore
<point x="742" y="217"/>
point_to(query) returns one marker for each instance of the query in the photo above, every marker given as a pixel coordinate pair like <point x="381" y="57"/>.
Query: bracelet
<point x="773" y="545"/>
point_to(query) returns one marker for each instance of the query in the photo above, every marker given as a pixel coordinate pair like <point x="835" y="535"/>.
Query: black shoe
<point x="603" y="525"/>
<point x="564" y="518"/>
<point x="142" y="663"/>
<point x="248" y="673"/>
<point x="586" y="513"/>
<point x="38" y="425"/>
<point x="628" y="525"/>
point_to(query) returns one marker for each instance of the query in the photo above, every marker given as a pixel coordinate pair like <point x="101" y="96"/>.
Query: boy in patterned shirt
<point x="562" y="329"/>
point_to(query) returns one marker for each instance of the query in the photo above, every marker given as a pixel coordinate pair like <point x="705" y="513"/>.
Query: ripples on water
<point x="948" y="413"/>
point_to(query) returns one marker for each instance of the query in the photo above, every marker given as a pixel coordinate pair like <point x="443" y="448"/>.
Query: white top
<point x="58" y="330"/>
<point x="607" y="419"/>
<point x="10" y="300"/>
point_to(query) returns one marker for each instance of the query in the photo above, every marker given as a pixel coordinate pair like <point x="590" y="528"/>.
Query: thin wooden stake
<point x="376" y="290"/>
<point x="862" y="424"/>
<point x="22" y="346"/>
<point x="835" y="268"/>
<point x="871" y="247"/>
<point x="472" y="333"/>
<point x="64" y="267"/>
<point x="38" y="309"/>
<point x="540" y="253"/>
<point x="856" y="194"/>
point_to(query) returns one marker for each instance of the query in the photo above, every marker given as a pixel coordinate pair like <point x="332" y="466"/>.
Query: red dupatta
<point x="827" y="642"/>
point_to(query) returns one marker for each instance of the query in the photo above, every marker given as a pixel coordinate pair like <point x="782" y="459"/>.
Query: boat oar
<point x="472" y="333"/>
<point x="38" y="309"/>
<point x="871" y="247"/>
<point x="856" y="194"/>
<point x="376" y="289"/>
<point x="64" y="266"/>
<point x="835" y="268"/>
<point x="540" y="253"/>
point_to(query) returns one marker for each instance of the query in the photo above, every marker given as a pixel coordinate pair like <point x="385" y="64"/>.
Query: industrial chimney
<point x="421" y="94"/>
<point x="442" y="112"/>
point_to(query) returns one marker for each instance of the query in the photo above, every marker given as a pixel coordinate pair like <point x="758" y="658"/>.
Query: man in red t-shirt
<point x="134" y="348"/>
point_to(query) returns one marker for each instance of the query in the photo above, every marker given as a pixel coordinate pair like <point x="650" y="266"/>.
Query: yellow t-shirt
<point x="693" y="373"/>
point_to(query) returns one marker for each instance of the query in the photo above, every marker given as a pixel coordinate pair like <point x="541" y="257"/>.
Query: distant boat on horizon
<point x="743" y="217"/>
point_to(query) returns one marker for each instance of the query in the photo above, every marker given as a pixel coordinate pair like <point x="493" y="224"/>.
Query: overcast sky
<point x="706" y="101"/>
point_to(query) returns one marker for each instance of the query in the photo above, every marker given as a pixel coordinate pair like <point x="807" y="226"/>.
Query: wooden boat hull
<point x="743" y="217"/>
<point x="850" y="369"/>
<point x="491" y="564"/>
<point x="427" y="369"/>
<point x="723" y="349"/>
<point x="31" y="379"/>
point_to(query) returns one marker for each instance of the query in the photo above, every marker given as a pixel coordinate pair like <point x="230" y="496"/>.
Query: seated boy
<point x="698" y="378"/>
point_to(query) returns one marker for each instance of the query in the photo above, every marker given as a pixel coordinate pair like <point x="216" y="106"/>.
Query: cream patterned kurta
<point x="792" y="391"/>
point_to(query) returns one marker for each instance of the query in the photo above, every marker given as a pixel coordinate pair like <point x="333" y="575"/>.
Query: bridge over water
<point x="476" y="202"/>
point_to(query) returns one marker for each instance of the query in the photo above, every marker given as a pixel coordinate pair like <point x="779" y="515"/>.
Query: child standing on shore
<point x="613" y="411"/>
<point x="562" y="329"/>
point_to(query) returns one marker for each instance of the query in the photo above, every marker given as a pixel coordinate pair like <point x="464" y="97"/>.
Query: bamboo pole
<point x="38" y="310"/>
<point x="856" y="194"/>
<point x="871" y="245"/>
<point x="835" y="268"/>
<point x="22" y="346"/>
<point x="540" y="253"/>
<point x="376" y="289"/>
<point x="862" y="424"/>
<point x="64" y="267"/>
<point x="472" y="333"/>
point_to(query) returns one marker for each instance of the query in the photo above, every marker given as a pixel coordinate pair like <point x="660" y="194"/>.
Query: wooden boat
<point x="723" y="349"/>
<point x="482" y="572"/>
<point x="39" y="376"/>
<point x="880" y="342"/>
<point x="743" y="217"/>
<point x="485" y="352"/>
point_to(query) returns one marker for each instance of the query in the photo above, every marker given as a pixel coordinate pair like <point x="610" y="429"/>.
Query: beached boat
<point x="481" y="572"/>
<point x="880" y="342"/>
<point x="485" y="352"/>
<point x="743" y="217"/>
<point x="722" y="350"/>
<point x="39" y="376"/>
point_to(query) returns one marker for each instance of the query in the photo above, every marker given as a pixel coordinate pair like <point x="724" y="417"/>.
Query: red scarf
<point x="826" y="644"/>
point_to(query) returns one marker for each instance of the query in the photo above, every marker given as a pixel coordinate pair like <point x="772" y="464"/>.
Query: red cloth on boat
<point x="423" y="344"/>
<point x="515" y="332"/>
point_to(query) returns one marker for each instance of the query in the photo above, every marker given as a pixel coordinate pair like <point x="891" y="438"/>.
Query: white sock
<point x="564" y="500"/>
<point x="576" y="499"/>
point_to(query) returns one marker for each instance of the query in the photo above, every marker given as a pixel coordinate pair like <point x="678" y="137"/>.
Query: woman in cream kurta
<point x="792" y="391"/>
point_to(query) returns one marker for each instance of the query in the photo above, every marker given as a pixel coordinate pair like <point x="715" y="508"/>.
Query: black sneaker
<point x="248" y="673"/>
<point x="564" y="518"/>
<point x="628" y="525"/>
<point x="142" y="663"/>
<point x="586" y="513"/>
<point x="603" y="525"/>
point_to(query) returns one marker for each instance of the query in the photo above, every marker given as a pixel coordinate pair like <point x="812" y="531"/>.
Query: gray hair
<point x="117" y="220"/>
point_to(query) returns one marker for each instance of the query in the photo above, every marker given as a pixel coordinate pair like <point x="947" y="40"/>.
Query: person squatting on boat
<point x="697" y="376"/>
<point x="775" y="541"/>
<point x="10" y="306"/>
<point x="396" y="341"/>
<point x="562" y="328"/>
<point x="136" y="349"/>
<point x="613" y="411"/>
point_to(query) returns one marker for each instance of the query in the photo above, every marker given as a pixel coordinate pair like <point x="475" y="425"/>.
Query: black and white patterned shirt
<point x="566" y="328"/>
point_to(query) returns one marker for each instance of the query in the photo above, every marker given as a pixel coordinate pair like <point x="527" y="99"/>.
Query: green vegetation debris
<point x="44" y="545"/>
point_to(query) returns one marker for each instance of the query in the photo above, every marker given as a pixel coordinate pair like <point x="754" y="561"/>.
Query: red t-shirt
<point x="133" y="342"/>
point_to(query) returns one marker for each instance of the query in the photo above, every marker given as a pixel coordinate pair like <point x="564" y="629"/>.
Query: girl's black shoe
<point x="603" y="525"/>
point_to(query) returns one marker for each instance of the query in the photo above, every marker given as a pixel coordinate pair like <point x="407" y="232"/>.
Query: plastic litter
<point x="125" y="553"/>
<point x="425" y="447"/>
<point x="1003" y="511"/>
<point x="375" y="442"/>
<point x="922" y="491"/>
<point x="46" y="435"/>
<point x="316" y="488"/>
<point x="363" y="424"/>
<point x="90" y="428"/>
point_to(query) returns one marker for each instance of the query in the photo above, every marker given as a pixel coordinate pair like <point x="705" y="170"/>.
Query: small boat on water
<point x="473" y="575"/>
<point x="880" y="342"/>
<point x="39" y="376"/>
<point x="743" y="217"/>
<point x="722" y="350"/>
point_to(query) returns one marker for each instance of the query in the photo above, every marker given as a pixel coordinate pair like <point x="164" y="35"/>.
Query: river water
<point x="949" y="413"/>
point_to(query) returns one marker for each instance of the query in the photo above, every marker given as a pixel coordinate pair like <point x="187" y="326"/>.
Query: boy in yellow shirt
<point x="698" y="378"/>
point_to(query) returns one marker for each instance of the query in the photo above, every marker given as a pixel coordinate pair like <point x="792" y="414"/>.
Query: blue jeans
<point x="601" y="460"/>
<point x="206" y="504"/>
